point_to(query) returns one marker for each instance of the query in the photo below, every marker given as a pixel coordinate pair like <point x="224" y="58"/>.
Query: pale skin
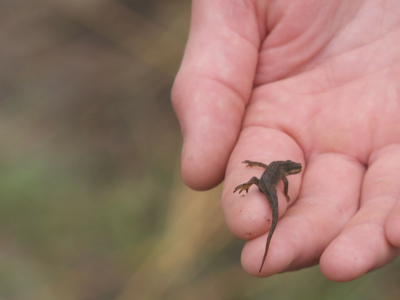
<point x="316" y="82"/>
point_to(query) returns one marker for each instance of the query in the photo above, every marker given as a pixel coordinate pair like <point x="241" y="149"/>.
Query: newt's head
<point x="292" y="167"/>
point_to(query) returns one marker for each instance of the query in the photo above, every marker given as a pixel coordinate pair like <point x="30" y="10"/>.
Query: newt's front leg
<point x="286" y="187"/>
<point x="255" y="164"/>
<point x="247" y="185"/>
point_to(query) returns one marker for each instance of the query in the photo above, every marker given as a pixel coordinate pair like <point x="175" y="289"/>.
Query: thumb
<point x="213" y="86"/>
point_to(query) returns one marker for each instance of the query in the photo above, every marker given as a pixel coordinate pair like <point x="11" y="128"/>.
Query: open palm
<point x="316" y="82"/>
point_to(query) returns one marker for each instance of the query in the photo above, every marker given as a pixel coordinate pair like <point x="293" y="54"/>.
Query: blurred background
<point x="91" y="201"/>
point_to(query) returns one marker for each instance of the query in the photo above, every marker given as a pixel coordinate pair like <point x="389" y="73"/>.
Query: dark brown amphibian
<point x="274" y="172"/>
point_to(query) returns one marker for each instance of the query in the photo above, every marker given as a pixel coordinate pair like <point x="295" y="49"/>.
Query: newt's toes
<point x="240" y="189"/>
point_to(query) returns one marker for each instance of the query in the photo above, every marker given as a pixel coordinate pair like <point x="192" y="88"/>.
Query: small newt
<point x="274" y="172"/>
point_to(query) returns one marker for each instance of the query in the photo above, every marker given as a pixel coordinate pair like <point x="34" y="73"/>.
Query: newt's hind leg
<point x="255" y="164"/>
<point x="247" y="185"/>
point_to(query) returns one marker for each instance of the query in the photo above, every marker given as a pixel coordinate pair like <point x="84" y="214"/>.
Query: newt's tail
<point x="275" y="214"/>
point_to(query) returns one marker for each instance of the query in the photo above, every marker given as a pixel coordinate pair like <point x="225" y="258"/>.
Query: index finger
<point x="250" y="217"/>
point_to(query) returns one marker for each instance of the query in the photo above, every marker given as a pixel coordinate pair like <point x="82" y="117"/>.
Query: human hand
<point x="315" y="82"/>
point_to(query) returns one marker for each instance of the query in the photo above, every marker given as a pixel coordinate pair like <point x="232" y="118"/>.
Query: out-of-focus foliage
<point x="91" y="202"/>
